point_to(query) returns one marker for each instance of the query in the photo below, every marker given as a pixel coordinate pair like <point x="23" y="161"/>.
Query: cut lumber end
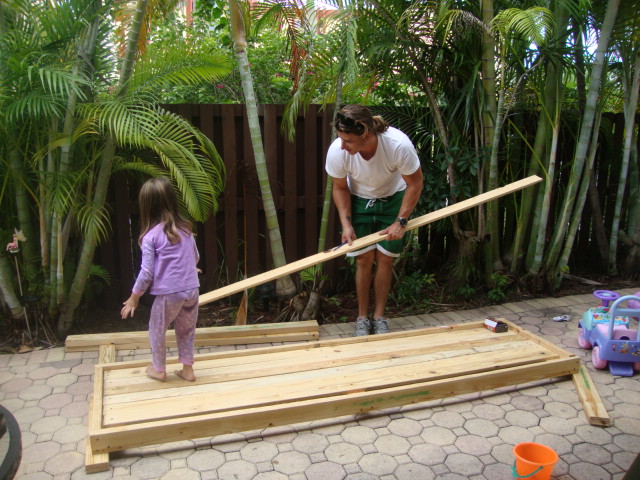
<point x="591" y="402"/>
<point x="107" y="354"/>
<point x="95" y="462"/>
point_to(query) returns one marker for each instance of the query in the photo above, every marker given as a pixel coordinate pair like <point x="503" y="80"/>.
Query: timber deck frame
<point x="264" y="387"/>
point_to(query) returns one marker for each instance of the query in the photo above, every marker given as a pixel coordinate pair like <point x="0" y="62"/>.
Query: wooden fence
<point x="233" y="242"/>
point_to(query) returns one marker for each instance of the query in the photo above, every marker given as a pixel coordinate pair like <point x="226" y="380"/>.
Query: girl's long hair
<point x="159" y="204"/>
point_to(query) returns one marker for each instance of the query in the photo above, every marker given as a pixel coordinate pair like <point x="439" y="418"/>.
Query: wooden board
<point x="205" y="337"/>
<point x="98" y="462"/>
<point x="264" y="387"/>
<point x="364" y="241"/>
<point x="593" y="406"/>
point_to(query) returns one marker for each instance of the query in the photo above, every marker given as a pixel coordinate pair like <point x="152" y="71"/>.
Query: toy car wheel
<point x="583" y="342"/>
<point x="598" y="362"/>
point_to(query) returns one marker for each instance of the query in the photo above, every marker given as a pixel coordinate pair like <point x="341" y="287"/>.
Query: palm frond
<point x="34" y="105"/>
<point x="183" y="65"/>
<point x="534" y="24"/>
<point x="93" y="220"/>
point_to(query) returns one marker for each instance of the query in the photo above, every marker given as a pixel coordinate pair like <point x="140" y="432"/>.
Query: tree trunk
<point x="534" y="198"/>
<point x="491" y="247"/>
<point x="553" y="264"/>
<point x="6" y="285"/>
<point x="629" y="127"/>
<point x="284" y="286"/>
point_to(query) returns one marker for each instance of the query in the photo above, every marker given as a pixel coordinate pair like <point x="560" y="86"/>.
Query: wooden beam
<point x="205" y="337"/>
<point x="98" y="462"/>
<point x="591" y="402"/>
<point x="364" y="241"/>
<point x="177" y="429"/>
<point x="256" y="388"/>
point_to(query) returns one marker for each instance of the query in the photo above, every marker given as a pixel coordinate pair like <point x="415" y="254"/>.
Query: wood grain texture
<point x="205" y="336"/>
<point x="593" y="407"/>
<point x="263" y="387"/>
<point x="360" y="243"/>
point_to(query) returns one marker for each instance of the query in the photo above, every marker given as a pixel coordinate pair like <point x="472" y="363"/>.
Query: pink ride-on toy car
<point x="606" y="329"/>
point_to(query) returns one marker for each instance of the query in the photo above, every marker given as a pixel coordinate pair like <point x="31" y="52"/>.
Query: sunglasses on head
<point x="349" y="125"/>
<point x="345" y="121"/>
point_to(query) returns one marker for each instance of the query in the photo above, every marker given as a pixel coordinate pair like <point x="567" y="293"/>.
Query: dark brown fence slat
<point x="251" y="189"/>
<point x="311" y="182"/>
<point x="290" y="173"/>
<point x="210" y="257"/>
<point x="230" y="225"/>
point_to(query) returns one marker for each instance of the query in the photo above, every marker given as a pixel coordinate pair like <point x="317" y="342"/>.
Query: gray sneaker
<point x="363" y="326"/>
<point x="380" y="325"/>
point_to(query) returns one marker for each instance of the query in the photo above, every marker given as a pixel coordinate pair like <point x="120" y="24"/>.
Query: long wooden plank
<point x="225" y="369"/>
<point x="591" y="402"/>
<point x="297" y="347"/>
<point x="251" y="375"/>
<point x="205" y="336"/>
<point x="120" y="438"/>
<point x="364" y="241"/>
<point x="251" y="393"/>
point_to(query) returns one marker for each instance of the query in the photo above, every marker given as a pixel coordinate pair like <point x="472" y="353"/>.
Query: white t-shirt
<point x="381" y="175"/>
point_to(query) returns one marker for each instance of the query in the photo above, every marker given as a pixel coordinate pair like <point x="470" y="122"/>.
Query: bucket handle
<point x="517" y="475"/>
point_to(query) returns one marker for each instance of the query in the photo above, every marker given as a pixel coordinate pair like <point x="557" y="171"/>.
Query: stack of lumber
<point x="263" y="387"/>
<point x="205" y="337"/>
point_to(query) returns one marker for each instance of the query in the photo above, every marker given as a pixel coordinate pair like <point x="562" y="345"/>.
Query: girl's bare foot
<point x="151" y="373"/>
<point x="186" y="373"/>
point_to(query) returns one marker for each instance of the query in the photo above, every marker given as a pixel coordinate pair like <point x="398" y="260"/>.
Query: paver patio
<point x="467" y="437"/>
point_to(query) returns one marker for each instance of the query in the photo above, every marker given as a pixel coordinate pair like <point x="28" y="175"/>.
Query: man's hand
<point x="394" y="231"/>
<point x="348" y="234"/>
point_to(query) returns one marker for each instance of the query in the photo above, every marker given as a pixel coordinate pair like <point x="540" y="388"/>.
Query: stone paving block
<point x="257" y="452"/>
<point x="35" y="392"/>
<point x="181" y="474"/>
<point x="515" y="307"/>
<point x="310" y="443"/>
<point x="42" y="373"/>
<point x="455" y="317"/>
<point x="378" y="464"/>
<point x="70" y="433"/>
<point x="473" y="445"/>
<point x="428" y="319"/>
<point x="291" y="463"/>
<point x="392" y="445"/>
<point x="438" y="436"/>
<point x="64" y="462"/>
<point x="343" y="453"/>
<point x="150" y="467"/>
<point x="325" y="471"/>
<point x="62" y="380"/>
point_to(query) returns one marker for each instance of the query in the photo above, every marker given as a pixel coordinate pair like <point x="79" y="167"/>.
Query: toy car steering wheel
<point x="606" y="296"/>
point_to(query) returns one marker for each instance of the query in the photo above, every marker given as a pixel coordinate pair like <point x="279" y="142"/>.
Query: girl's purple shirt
<point x="166" y="267"/>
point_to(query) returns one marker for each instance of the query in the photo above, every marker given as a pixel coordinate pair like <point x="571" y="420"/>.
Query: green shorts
<point x="372" y="216"/>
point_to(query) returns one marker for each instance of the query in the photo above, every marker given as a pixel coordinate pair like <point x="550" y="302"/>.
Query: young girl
<point x="169" y="258"/>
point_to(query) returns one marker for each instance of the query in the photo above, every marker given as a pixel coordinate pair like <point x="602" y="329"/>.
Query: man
<point x="377" y="181"/>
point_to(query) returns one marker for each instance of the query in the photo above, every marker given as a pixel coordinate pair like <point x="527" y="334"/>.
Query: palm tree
<point x="625" y="42"/>
<point x="564" y="235"/>
<point x="285" y="286"/>
<point x="82" y="129"/>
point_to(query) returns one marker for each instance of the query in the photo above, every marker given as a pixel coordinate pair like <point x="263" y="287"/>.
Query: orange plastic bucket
<point x="533" y="461"/>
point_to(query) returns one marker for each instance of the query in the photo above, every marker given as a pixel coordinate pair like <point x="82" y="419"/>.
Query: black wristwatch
<point x="402" y="221"/>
